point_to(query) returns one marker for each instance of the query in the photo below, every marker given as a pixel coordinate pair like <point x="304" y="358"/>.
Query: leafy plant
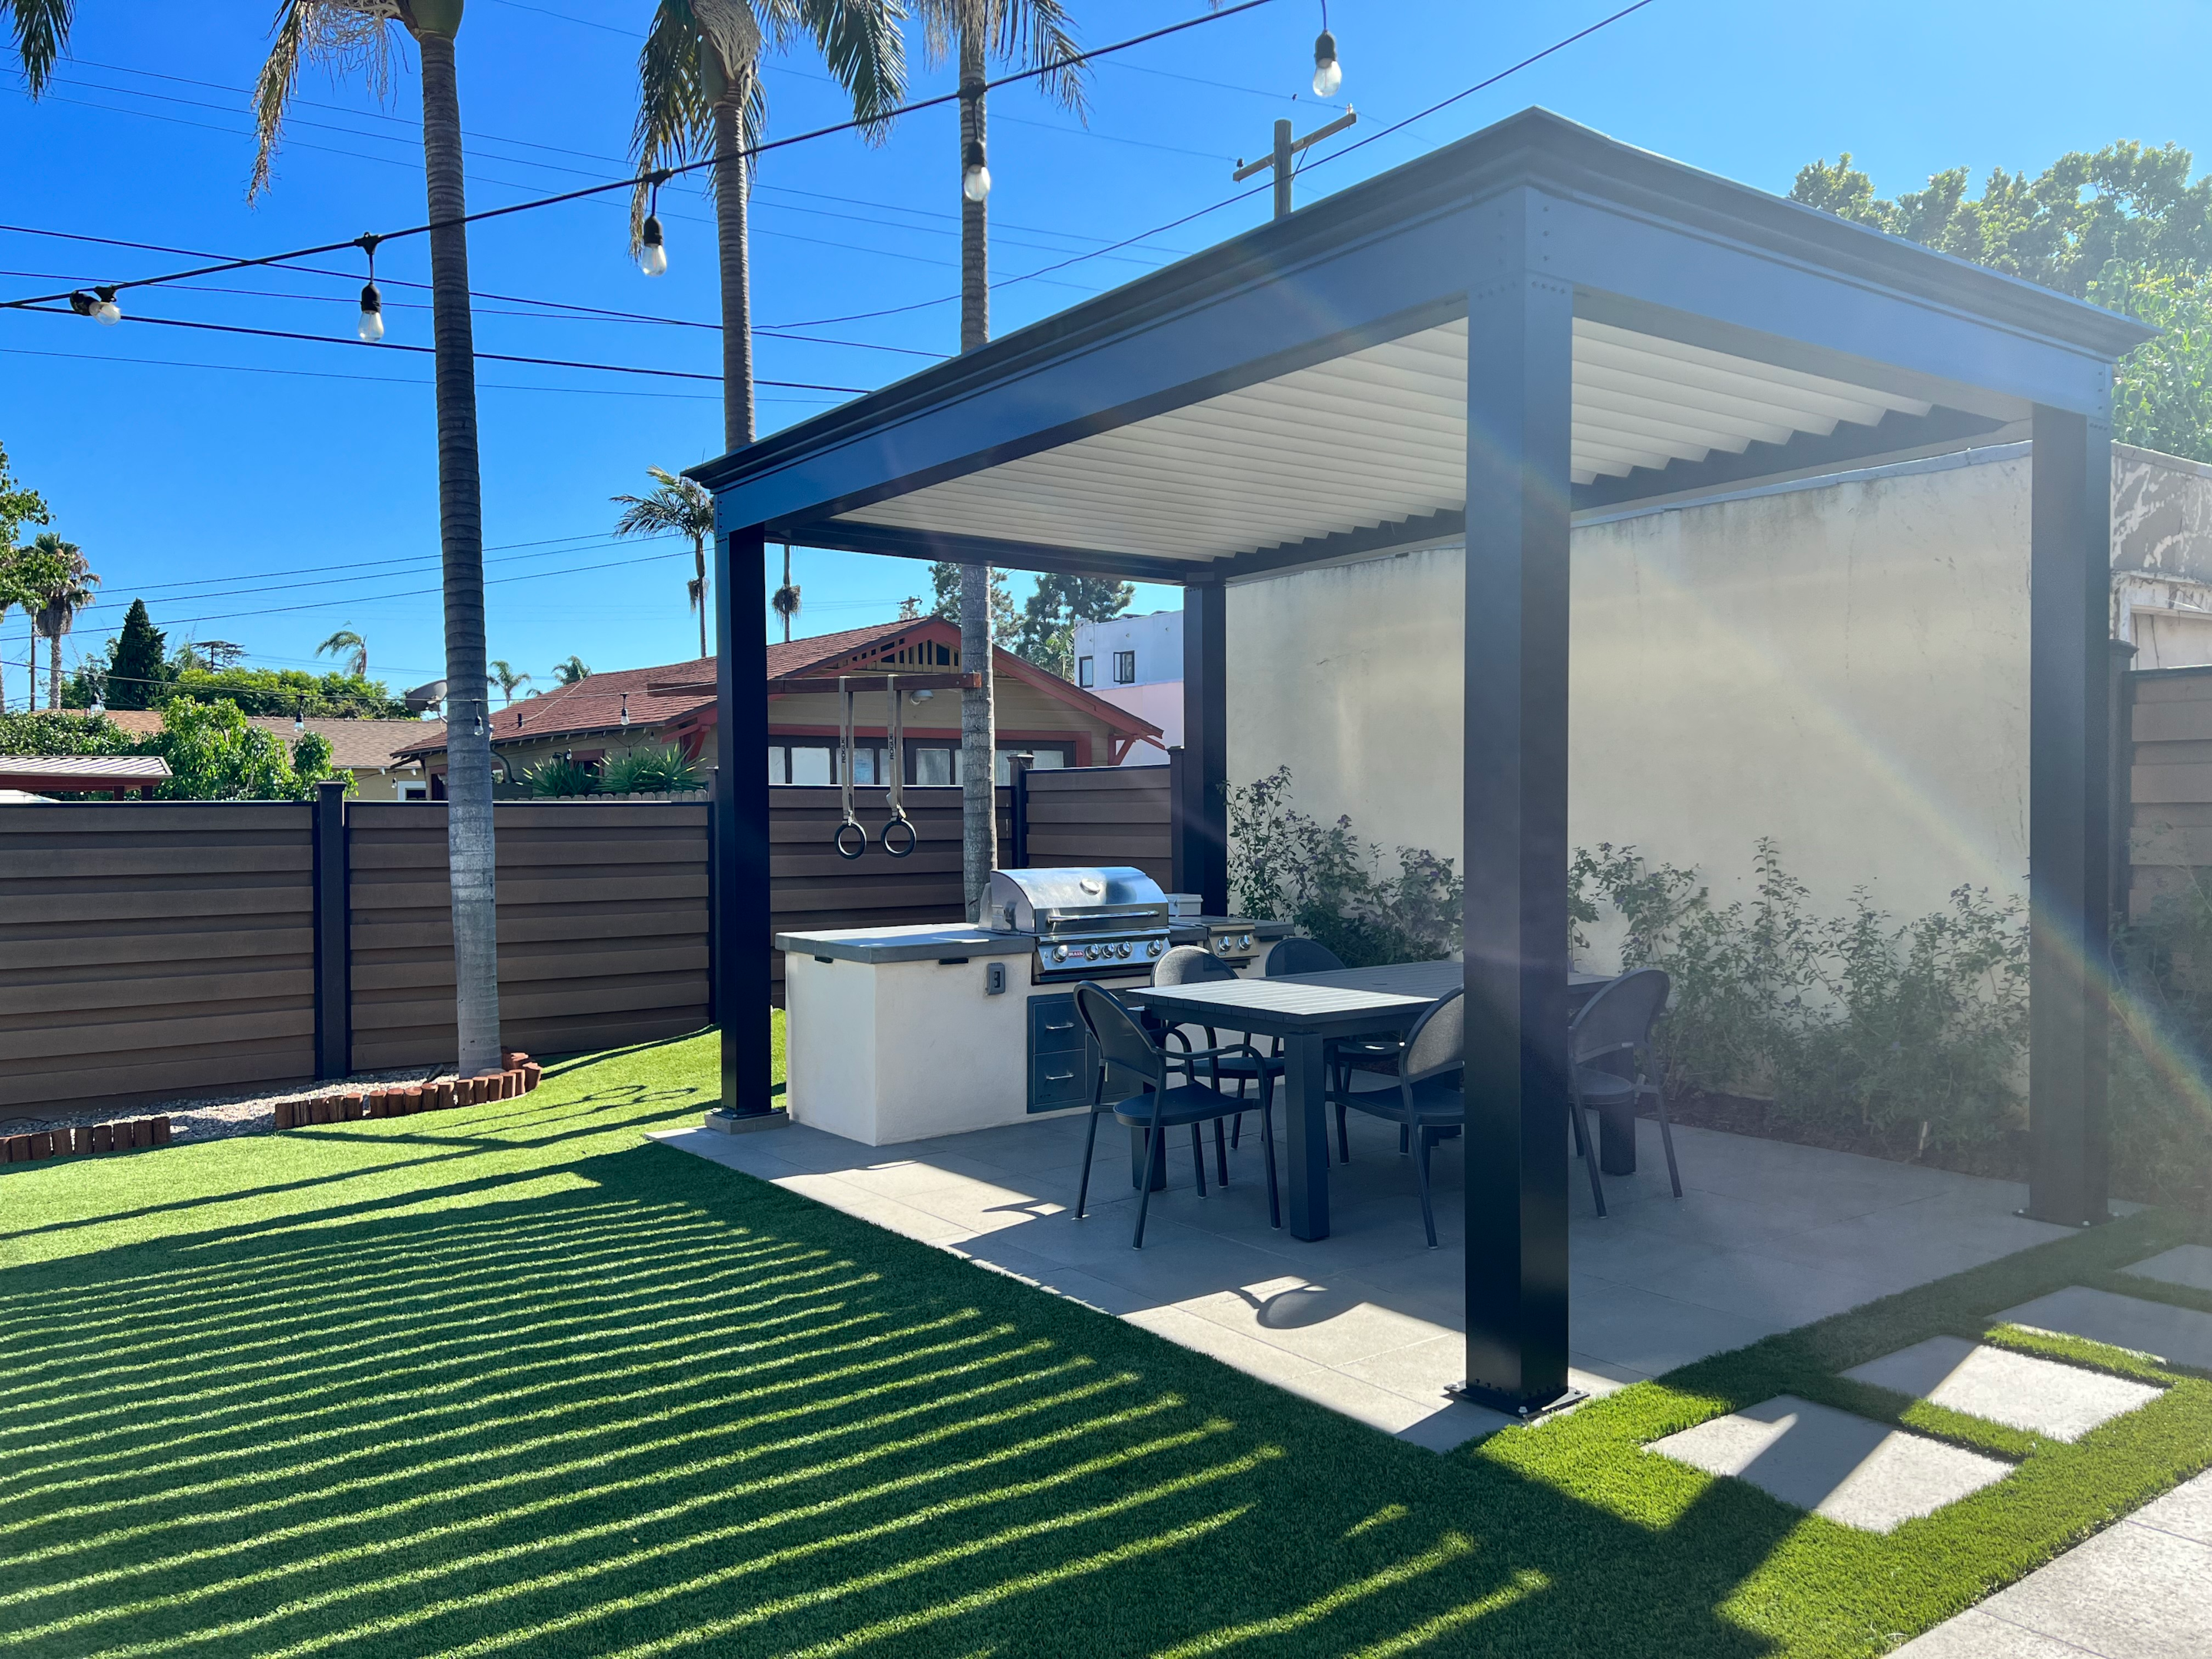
<point x="1851" y="1020"/>
<point x="215" y="755"/>
<point x="562" y="777"/>
<point x="649" y="771"/>
<point x="1324" y="880"/>
<point x="63" y="732"/>
<point x="2160" y="1100"/>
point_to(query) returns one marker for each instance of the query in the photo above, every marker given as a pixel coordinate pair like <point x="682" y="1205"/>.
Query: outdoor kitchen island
<point x="901" y="1033"/>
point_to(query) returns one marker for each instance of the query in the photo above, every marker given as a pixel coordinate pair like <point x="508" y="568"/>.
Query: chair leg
<point x="1268" y="1140"/>
<point x="1404" y="1140"/>
<point x="1667" y="1140"/>
<point x="1220" y="1154"/>
<point x="1421" y="1174"/>
<point x="1197" y="1157"/>
<point x="1152" y="1134"/>
<point x="1237" y="1129"/>
<point x="1343" y="1142"/>
<point x="1588" y="1152"/>
<point x="1089" y="1145"/>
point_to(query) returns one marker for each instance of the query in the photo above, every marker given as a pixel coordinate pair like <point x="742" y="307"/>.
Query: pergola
<point x="1533" y="320"/>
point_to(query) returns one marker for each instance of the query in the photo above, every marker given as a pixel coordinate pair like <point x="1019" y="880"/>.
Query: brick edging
<point x="126" y="1136"/>
<point x="406" y="1100"/>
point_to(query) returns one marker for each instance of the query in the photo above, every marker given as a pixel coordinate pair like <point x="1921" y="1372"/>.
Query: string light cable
<point x="91" y="303"/>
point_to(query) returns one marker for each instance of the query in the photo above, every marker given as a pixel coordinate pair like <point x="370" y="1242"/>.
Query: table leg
<point x="1137" y="1161"/>
<point x="1616" y="1131"/>
<point x="1305" y="1119"/>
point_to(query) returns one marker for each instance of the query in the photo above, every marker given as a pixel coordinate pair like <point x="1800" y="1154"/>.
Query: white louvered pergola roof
<point x="1373" y="437"/>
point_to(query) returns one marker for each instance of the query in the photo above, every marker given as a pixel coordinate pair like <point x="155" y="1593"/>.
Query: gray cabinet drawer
<point x="1054" y="1024"/>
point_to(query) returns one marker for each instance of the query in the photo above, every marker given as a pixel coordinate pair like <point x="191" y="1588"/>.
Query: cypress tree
<point x="135" y="673"/>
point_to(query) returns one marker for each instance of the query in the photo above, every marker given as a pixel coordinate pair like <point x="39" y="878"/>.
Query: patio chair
<point x="1297" y="955"/>
<point x="1124" y="1044"/>
<point x="1618" y="1020"/>
<point x="1423" y="1096"/>
<point x="1192" y="964"/>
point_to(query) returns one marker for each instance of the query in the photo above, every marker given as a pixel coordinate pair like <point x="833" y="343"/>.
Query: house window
<point x="414" y="792"/>
<point x="810" y="763"/>
<point x="936" y="766"/>
<point x="1125" y="668"/>
<point x="1047" y="760"/>
<point x="1084" y="673"/>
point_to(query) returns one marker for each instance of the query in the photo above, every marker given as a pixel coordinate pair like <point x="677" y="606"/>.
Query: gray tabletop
<point x="1367" y="997"/>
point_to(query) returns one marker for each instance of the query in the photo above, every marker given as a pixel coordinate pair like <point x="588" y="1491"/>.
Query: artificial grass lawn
<point x="512" y="1380"/>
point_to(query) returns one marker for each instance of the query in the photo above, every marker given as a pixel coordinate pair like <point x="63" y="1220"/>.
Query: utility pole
<point x="1285" y="148"/>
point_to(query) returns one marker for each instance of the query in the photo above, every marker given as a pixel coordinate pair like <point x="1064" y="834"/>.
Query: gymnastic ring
<point x="913" y="838"/>
<point x="838" y="840"/>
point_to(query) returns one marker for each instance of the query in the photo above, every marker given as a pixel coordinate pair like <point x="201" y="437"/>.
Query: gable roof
<point x="674" y="693"/>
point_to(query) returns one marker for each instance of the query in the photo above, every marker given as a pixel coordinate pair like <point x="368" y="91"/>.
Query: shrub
<point x="2161" y="1102"/>
<point x="61" y="732"/>
<point x="1326" y="881"/>
<point x="560" y="777"/>
<point x="649" y="771"/>
<point x="1856" y="1020"/>
<point x="215" y="755"/>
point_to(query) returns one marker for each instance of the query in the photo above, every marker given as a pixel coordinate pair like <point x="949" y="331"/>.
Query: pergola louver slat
<point x="1533" y="319"/>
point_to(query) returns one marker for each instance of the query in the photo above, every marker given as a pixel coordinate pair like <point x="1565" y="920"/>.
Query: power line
<point x="662" y="174"/>
<point x="481" y="356"/>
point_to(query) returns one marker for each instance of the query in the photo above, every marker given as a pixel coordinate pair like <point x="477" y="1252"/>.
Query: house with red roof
<point x="673" y="705"/>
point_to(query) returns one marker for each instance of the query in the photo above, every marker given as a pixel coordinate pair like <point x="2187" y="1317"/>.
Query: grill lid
<point x="1037" y="901"/>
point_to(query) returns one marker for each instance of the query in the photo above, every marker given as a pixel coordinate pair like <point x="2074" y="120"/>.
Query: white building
<point x="1839" y="663"/>
<point x="1136" y="662"/>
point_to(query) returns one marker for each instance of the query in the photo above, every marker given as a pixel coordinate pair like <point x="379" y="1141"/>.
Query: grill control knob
<point x="1090" y="953"/>
<point x="1245" y="942"/>
<point x="1152" y="949"/>
<point x="1060" y="953"/>
<point x="1221" y="944"/>
<point x="1122" y="949"/>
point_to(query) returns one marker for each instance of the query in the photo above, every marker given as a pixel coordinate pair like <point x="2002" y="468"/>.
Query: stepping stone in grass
<point x="2187" y="1265"/>
<point x="2180" y="1335"/>
<point x="2016" y="1389"/>
<point x="1862" y="1474"/>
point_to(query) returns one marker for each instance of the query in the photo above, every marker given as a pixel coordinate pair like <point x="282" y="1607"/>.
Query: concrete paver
<point x="2181" y="1334"/>
<point x="2016" y="1389"/>
<point x="2188" y="1265"/>
<point x="1853" y="1471"/>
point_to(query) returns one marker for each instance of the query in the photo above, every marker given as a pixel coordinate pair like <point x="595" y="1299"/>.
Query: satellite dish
<point x="423" y="698"/>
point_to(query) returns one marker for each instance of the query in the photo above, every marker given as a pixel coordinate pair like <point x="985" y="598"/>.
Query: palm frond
<point x="1022" y="34"/>
<point x="863" y="45"/>
<point x="337" y="35"/>
<point x="41" y="29"/>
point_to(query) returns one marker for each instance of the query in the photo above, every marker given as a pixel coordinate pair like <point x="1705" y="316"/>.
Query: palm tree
<point x="57" y="602"/>
<point x="1026" y="35"/>
<point x="41" y="30"/>
<point x="676" y="507"/>
<point x="343" y="35"/>
<point x="338" y="644"/>
<point x="503" y="671"/>
<point x="786" y="597"/>
<point x="574" y="671"/>
<point x="699" y="93"/>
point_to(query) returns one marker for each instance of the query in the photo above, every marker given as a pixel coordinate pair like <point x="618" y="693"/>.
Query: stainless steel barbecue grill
<point x="1089" y="923"/>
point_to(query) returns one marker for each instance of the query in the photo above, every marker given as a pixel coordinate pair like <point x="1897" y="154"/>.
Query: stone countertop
<point x="888" y="944"/>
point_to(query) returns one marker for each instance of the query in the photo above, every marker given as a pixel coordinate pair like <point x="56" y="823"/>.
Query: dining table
<point x="1306" y="1013"/>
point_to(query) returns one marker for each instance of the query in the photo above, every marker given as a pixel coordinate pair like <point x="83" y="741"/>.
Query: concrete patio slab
<point x="2186" y="1264"/>
<point x="1369" y="1320"/>
<point x="1855" y="1472"/>
<point x="2182" y="1335"/>
<point x="2136" y="1590"/>
<point x="2016" y="1389"/>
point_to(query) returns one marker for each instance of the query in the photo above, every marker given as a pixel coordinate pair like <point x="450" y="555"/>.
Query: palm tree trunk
<point x="699" y="558"/>
<point x="978" y="795"/>
<point x="54" y="669"/>
<point x="737" y="273"/>
<point x="469" y="844"/>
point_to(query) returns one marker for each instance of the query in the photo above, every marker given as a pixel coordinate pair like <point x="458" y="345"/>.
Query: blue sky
<point x="268" y="492"/>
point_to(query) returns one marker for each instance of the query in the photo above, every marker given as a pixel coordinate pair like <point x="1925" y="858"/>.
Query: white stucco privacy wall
<point x="1841" y="666"/>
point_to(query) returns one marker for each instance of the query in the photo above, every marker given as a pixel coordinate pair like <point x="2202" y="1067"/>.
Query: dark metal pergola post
<point x="743" y="926"/>
<point x="1520" y="411"/>
<point x="1201" y="819"/>
<point x="2069" y="817"/>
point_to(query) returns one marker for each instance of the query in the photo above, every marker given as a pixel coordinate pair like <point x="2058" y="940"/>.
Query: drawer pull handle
<point x="1069" y="1026"/>
<point x="1060" y="1077"/>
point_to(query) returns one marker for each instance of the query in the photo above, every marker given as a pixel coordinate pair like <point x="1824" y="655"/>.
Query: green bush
<point x="2161" y="1103"/>
<point x="1326" y="882"/>
<point x="1853" y="1021"/>
<point x="215" y="755"/>
<point x="559" y="776"/>
<point x="649" y="771"/>
<point x="62" y="733"/>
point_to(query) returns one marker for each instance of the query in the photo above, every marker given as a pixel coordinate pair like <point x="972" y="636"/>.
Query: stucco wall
<point x="1843" y="668"/>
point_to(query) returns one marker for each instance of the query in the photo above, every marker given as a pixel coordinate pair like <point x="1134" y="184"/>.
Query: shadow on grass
<point x="668" y="1409"/>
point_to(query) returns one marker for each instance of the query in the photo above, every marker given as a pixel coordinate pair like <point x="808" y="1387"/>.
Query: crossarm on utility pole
<point x="1279" y="158"/>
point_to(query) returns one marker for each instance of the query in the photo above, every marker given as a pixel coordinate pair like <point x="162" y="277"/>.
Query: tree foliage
<point x="137" y="676"/>
<point x="254" y="690"/>
<point x="19" y="506"/>
<point x="1046" y="634"/>
<point x="46" y="731"/>
<point x="215" y="755"/>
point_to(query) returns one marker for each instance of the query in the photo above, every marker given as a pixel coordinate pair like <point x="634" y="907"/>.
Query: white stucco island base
<point x="891" y="1033"/>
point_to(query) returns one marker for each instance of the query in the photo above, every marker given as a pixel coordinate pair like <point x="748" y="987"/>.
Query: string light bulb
<point x="99" y="304"/>
<point x="1328" y="74"/>
<point x="372" y="302"/>
<point x="975" y="175"/>
<point x="652" y="250"/>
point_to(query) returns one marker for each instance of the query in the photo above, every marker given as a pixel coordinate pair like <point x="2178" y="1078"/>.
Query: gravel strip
<point x="213" y="1117"/>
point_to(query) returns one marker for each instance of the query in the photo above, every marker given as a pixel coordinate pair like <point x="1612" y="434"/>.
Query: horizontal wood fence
<point x="156" y="949"/>
<point x="153" y="946"/>
<point x="2168" y="727"/>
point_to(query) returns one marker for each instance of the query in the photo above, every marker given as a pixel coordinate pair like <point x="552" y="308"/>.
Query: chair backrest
<point x="1121" y="1041"/>
<point x="1300" y="956"/>
<point x="1188" y="963"/>
<point x="1437" y="1042"/>
<point x="1620" y="1016"/>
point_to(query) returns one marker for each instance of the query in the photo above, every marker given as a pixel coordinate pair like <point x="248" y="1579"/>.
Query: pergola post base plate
<point x="732" y="1122"/>
<point x="1529" y="1411"/>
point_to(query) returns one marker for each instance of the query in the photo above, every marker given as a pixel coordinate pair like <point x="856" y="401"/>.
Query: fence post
<point x="333" y="944"/>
